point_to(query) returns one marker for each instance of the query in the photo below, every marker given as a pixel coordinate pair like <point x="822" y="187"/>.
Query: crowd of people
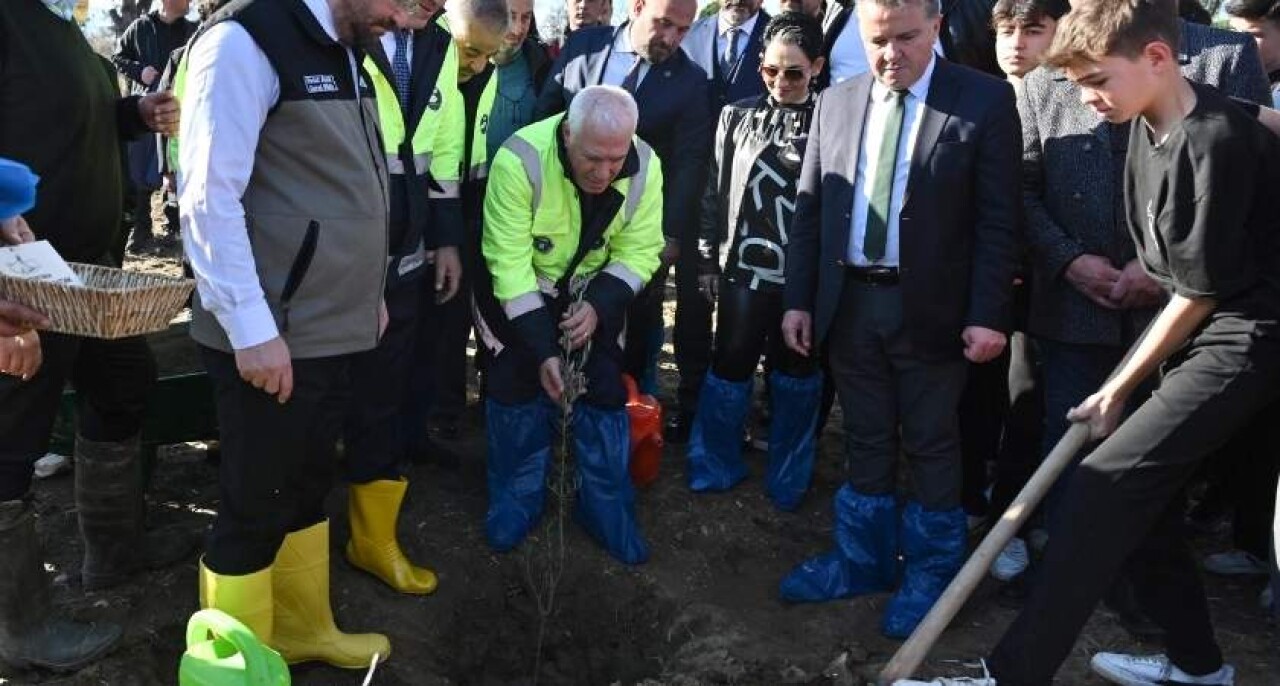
<point x="972" y="223"/>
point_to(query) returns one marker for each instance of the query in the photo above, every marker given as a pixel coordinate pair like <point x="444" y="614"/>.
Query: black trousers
<point x="1001" y="420"/>
<point x="374" y="442"/>
<point x="1023" y="430"/>
<point x="511" y="377"/>
<point x="749" y="323"/>
<point x="112" y="380"/>
<point x="691" y="334"/>
<point x="1124" y="503"/>
<point x="644" y="315"/>
<point x="446" y="329"/>
<point x="277" y="460"/>
<point x="893" y="400"/>
<point x="1250" y="466"/>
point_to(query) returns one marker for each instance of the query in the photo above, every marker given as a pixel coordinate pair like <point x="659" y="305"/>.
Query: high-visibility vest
<point x="479" y="159"/>
<point x="179" y="86"/>
<point x="436" y="144"/>
<point x="533" y="220"/>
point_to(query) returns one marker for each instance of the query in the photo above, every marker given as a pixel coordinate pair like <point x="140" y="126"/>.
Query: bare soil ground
<point x="704" y="610"/>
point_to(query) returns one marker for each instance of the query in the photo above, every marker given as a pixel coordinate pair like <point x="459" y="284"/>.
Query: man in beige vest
<point x="283" y="192"/>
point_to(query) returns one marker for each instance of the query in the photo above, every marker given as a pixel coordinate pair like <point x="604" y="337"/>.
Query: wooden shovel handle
<point x="912" y="653"/>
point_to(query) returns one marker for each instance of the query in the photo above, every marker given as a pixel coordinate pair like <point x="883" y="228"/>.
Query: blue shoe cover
<point x="606" y="498"/>
<point x="519" y="452"/>
<point x="792" y="443"/>
<point x="715" y="443"/>
<point x="866" y="556"/>
<point x="933" y="545"/>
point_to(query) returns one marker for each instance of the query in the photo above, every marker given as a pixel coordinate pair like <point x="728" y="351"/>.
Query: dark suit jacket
<point x="744" y="82"/>
<point x="675" y="118"/>
<point x="1073" y="193"/>
<point x="958" y="218"/>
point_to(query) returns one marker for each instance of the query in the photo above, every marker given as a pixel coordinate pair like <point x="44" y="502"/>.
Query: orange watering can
<point x="646" y="433"/>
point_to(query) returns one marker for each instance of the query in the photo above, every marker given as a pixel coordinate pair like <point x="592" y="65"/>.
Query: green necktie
<point x="873" y="243"/>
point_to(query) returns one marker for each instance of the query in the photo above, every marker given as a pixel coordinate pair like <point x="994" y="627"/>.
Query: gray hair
<point x="932" y="8"/>
<point x="492" y="15"/>
<point x="603" y="108"/>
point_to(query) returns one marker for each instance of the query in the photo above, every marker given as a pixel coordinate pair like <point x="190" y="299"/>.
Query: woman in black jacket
<point x="748" y="204"/>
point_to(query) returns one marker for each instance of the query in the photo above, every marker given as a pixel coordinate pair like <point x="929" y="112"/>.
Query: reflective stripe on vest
<point x="528" y="156"/>
<point x="532" y="163"/>
<point x="179" y="88"/>
<point x="392" y="119"/>
<point x="480" y="132"/>
<point x="395" y="165"/>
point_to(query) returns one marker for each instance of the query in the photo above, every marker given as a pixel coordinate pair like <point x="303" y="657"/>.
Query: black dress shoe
<point x="1120" y="600"/>
<point x="446" y="430"/>
<point x="432" y="452"/>
<point x="678" y="427"/>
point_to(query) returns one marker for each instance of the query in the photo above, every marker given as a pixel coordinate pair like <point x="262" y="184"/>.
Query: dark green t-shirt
<point x="59" y="111"/>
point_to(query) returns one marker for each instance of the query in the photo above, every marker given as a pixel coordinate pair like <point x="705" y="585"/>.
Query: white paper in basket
<point x="38" y="262"/>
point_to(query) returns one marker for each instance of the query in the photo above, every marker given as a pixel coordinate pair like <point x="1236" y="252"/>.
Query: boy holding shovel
<point x="1204" y="221"/>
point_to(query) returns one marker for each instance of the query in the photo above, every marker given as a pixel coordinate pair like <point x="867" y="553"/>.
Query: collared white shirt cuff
<point x="249" y="324"/>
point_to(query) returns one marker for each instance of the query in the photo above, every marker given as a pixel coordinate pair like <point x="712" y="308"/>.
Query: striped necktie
<point x="730" y="57"/>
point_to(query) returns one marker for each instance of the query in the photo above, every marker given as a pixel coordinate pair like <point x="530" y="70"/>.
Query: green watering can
<point x="223" y="652"/>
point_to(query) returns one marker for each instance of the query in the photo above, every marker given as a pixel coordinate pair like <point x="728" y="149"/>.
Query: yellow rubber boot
<point x="246" y="597"/>
<point x="373" y="509"/>
<point x="304" y="628"/>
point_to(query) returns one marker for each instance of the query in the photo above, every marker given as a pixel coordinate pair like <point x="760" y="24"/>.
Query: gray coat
<point x="1072" y="180"/>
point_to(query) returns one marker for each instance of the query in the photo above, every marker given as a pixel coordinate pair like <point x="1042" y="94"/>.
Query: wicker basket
<point x="113" y="303"/>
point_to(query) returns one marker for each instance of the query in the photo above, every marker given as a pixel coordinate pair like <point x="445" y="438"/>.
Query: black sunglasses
<point x="788" y="74"/>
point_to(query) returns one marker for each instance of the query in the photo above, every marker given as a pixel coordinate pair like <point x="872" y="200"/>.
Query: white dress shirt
<point x="230" y="89"/>
<point x="620" y="60"/>
<point x="868" y="158"/>
<point x="722" y="37"/>
<point x="849" y="55"/>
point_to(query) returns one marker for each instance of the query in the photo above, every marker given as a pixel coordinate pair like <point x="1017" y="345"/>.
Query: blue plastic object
<point x="792" y="444"/>
<point x="606" y="498"/>
<point x="933" y="545"/>
<point x="715" y="443"/>
<point x="519" y="452"/>
<point x="17" y="188"/>
<point x="866" y="556"/>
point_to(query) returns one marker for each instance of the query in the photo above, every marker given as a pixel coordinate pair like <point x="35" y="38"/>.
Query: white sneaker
<point x="1154" y="670"/>
<point x="1235" y="563"/>
<point x="51" y="464"/>
<point x="948" y="681"/>
<point x="1011" y="561"/>
<point x="984" y="680"/>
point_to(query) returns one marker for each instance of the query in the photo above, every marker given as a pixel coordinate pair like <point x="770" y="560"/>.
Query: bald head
<point x="658" y="27"/>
